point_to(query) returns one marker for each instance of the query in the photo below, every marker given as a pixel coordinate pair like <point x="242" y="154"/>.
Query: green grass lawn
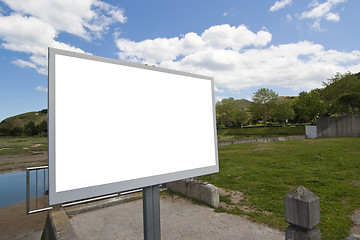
<point x="238" y="133"/>
<point x="266" y="172"/>
<point x="22" y="145"/>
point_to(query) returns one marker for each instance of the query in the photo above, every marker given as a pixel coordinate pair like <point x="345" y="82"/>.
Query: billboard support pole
<point x="151" y="213"/>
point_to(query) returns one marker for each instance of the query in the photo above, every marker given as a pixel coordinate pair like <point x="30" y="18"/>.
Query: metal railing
<point x="40" y="174"/>
<point x="41" y="192"/>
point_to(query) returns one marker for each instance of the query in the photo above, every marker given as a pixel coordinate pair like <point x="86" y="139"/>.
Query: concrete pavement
<point x="180" y="219"/>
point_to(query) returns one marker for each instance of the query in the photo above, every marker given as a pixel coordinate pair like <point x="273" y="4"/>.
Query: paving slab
<point x="180" y="219"/>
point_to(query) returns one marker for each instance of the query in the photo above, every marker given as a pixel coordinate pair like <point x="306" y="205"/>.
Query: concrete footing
<point x="58" y="226"/>
<point x="295" y="232"/>
<point x="203" y="192"/>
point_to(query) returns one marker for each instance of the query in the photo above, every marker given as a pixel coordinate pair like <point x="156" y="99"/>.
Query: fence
<point x="41" y="196"/>
<point x="42" y="191"/>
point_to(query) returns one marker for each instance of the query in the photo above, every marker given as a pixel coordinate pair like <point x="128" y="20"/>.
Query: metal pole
<point x="36" y="187"/>
<point x="27" y="191"/>
<point x="44" y="188"/>
<point x="151" y="213"/>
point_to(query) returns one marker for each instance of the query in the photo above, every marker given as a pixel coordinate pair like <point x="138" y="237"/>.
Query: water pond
<point x="13" y="187"/>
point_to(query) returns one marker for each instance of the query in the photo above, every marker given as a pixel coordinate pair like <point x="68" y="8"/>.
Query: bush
<point x="30" y="129"/>
<point x="16" y="131"/>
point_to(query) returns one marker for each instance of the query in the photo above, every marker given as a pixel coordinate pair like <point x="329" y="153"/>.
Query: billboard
<point x="116" y="126"/>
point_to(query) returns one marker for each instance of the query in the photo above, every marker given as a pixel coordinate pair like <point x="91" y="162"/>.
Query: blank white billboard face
<point x="116" y="126"/>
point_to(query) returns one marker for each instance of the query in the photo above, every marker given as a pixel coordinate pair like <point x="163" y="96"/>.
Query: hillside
<point x="22" y="119"/>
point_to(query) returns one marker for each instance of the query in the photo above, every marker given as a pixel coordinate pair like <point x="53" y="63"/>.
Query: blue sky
<point x="288" y="46"/>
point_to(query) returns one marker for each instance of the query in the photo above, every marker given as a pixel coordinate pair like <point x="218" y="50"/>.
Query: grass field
<point x="21" y="145"/>
<point x="238" y="133"/>
<point x="266" y="172"/>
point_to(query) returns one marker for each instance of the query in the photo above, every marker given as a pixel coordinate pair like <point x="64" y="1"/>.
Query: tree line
<point x="340" y="95"/>
<point x="29" y="129"/>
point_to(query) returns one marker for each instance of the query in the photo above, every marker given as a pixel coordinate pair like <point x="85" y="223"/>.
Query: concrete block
<point x="204" y="192"/>
<point x="302" y="208"/>
<point x="311" y="131"/>
<point x="178" y="186"/>
<point x="294" y="232"/>
<point x="200" y="191"/>
<point x="58" y="226"/>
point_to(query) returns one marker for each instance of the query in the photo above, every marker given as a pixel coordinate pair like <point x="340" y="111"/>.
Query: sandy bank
<point x="19" y="162"/>
<point x="15" y="224"/>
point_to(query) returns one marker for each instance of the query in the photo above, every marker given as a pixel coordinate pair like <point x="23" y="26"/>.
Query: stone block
<point x="302" y="208"/>
<point x="294" y="232"/>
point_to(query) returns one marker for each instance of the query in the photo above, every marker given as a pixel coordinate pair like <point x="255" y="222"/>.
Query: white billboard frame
<point x="79" y="84"/>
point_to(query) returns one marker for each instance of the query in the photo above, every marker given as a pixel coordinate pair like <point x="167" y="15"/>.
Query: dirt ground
<point x="15" y="163"/>
<point x="14" y="223"/>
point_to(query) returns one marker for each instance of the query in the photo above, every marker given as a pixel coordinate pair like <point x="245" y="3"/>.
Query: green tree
<point x="309" y="105"/>
<point x="283" y="110"/>
<point x="16" y="131"/>
<point x="341" y="94"/>
<point x="262" y="104"/>
<point x="4" y="131"/>
<point x="241" y="117"/>
<point x="264" y="95"/>
<point x="242" y="103"/>
<point x="351" y="101"/>
<point x="30" y="129"/>
<point x="42" y="128"/>
<point x="229" y="114"/>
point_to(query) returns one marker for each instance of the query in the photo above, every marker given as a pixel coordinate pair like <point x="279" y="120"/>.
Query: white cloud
<point x="334" y="17"/>
<point x="222" y="37"/>
<point x="83" y="18"/>
<point x="230" y="13"/>
<point x="288" y="17"/>
<point x="41" y="89"/>
<point x="238" y="58"/>
<point x="218" y="90"/>
<point x="316" y="25"/>
<point x="322" y="11"/>
<point x="219" y="98"/>
<point x="24" y="64"/>
<point x="105" y="15"/>
<point x="25" y="34"/>
<point x="34" y="25"/>
<point x="279" y="5"/>
<point x="32" y="36"/>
